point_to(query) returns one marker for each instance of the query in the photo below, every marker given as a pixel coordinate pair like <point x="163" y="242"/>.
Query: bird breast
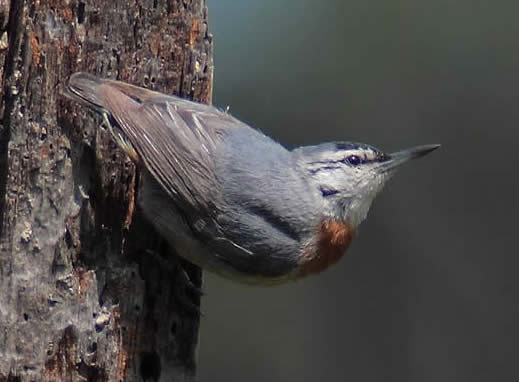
<point x="332" y="241"/>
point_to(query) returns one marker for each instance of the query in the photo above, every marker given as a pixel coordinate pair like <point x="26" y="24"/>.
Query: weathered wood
<point x="80" y="298"/>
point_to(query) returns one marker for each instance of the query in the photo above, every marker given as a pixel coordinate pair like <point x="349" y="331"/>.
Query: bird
<point x="230" y="199"/>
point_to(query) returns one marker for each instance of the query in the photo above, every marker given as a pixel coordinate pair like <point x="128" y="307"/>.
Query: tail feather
<point x="108" y="100"/>
<point x="83" y="88"/>
<point x="88" y="90"/>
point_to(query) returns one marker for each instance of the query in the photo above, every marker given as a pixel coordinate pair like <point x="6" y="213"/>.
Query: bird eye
<point x="354" y="160"/>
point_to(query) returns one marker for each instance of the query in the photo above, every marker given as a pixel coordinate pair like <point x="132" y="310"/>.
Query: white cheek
<point x="360" y="205"/>
<point x="359" y="210"/>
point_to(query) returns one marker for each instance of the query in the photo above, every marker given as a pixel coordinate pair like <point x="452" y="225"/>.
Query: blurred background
<point x="428" y="291"/>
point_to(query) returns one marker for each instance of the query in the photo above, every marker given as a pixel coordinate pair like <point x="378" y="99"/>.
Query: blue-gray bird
<point x="230" y="199"/>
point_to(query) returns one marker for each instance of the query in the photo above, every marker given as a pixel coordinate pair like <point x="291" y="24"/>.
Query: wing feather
<point x="174" y="138"/>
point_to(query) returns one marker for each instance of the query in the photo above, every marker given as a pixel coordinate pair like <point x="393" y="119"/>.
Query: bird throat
<point x="332" y="241"/>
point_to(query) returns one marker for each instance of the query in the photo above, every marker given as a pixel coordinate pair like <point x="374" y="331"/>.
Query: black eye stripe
<point x="350" y="159"/>
<point x="354" y="160"/>
<point x="323" y="168"/>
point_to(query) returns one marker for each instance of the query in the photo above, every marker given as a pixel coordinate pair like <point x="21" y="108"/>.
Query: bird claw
<point x="187" y="283"/>
<point x="186" y="292"/>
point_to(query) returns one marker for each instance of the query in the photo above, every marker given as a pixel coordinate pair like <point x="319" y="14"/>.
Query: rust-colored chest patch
<point x="333" y="239"/>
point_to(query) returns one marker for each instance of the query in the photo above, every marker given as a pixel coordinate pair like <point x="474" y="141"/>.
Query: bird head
<point x="350" y="175"/>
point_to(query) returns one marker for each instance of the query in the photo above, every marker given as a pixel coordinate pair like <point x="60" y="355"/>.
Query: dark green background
<point x="429" y="290"/>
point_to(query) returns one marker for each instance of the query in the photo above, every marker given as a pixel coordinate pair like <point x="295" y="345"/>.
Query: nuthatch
<point x="230" y="199"/>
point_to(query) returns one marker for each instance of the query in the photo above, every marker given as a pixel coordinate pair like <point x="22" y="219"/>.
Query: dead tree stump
<point x="80" y="298"/>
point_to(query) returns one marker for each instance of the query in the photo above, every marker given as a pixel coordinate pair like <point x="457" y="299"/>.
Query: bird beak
<point x="400" y="157"/>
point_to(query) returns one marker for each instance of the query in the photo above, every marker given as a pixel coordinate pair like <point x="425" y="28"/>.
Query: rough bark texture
<point x="80" y="298"/>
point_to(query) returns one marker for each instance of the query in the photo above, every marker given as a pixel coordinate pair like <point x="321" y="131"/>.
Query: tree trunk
<point x="87" y="290"/>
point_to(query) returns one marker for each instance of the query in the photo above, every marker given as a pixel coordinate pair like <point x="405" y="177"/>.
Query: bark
<point x="88" y="291"/>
